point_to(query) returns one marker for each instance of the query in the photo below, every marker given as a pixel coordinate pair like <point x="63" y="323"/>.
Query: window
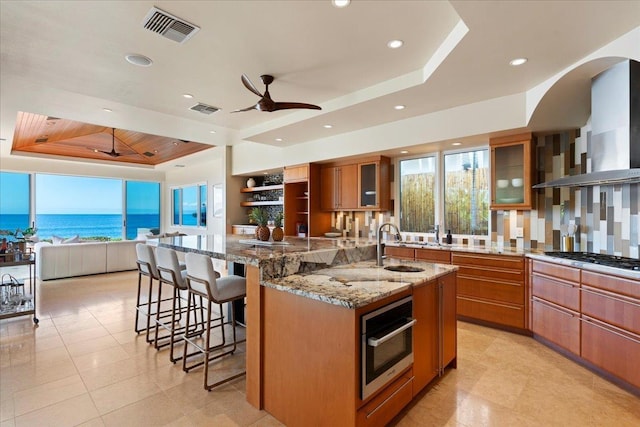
<point x="466" y="192"/>
<point x="417" y="194"/>
<point x="142" y="207"/>
<point x="190" y="206"/>
<point x="14" y="201"/>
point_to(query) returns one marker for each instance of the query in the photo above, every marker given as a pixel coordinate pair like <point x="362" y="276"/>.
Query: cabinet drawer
<point x="556" y="324"/>
<point x="491" y="273"/>
<point x="382" y="408"/>
<point x="618" y="285"/>
<point x="433" y="255"/>
<point x="398" y="252"/>
<point x="479" y="287"/>
<point x="618" y="310"/>
<point x="557" y="291"/>
<point x="486" y="261"/>
<point x="556" y="270"/>
<point x="613" y="350"/>
<point x="491" y="311"/>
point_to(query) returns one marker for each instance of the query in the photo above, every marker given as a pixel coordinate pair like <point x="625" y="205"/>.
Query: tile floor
<point x="85" y="366"/>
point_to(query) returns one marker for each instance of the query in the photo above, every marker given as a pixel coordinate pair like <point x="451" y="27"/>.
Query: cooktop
<point x="602" y="259"/>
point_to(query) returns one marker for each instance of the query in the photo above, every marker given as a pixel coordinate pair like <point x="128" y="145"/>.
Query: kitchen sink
<point x="404" y="268"/>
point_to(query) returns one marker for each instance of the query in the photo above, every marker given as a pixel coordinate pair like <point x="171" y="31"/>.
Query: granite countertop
<point x="358" y="284"/>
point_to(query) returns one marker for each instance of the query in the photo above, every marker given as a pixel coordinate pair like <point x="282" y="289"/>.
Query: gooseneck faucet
<point x="380" y="246"/>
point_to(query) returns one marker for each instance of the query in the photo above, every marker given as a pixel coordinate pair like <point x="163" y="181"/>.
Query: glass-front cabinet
<point x="511" y="172"/>
<point x="368" y="185"/>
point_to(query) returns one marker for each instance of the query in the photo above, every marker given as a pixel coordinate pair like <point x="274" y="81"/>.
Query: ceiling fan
<point x="268" y="104"/>
<point x="113" y="152"/>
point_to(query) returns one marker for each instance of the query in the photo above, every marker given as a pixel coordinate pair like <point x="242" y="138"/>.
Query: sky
<point x="61" y="194"/>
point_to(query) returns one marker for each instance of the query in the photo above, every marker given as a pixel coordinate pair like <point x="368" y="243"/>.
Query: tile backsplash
<point x="606" y="215"/>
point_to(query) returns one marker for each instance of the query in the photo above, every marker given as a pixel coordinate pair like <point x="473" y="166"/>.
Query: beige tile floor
<point x="85" y="366"/>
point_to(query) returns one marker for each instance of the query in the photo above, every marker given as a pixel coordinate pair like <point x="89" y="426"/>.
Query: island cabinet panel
<point x="611" y="324"/>
<point x="311" y="372"/>
<point x="449" y="293"/>
<point x="555" y="291"/>
<point x="491" y="288"/>
<point x="433" y="255"/>
<point x="425" y="335"/>
<point x="399" y="252"/>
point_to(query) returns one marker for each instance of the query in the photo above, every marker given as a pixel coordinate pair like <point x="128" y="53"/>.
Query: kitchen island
<point x="311" y="292"/>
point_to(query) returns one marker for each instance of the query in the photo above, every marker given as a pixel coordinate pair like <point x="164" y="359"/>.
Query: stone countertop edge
<point x="358" y="284"/>
<point x="464" y="248"/>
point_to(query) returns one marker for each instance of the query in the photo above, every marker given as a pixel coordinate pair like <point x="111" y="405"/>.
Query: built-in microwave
<point x="386" y="345"/>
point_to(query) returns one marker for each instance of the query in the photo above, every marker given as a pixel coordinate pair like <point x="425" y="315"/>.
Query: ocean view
<point x="84" y="225"/>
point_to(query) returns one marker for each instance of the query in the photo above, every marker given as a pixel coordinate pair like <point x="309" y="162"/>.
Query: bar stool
<point x="170" y="272"/>
<point x="147" y="267"/>
<point x="201" y="281"/>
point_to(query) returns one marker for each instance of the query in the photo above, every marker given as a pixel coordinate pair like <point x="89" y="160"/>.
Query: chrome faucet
<point x="380" y="247"/>
<point x="436" y="229"/>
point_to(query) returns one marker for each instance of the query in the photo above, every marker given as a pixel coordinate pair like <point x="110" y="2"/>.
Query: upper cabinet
<point x="296" y="173"/>
<point x="339" y="187"/>
<point x="356" y="185"/>
<point x="511" y="172"/>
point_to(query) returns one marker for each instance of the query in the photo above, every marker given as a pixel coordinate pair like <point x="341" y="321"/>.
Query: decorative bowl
<point x="517" y="182"/>
<point x="502" y="183"/>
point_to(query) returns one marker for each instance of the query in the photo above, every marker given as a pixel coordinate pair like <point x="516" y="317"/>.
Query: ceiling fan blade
<point x="293" y="105"/>
<point x="247" y="83"/>
<point x="253" y="107"/>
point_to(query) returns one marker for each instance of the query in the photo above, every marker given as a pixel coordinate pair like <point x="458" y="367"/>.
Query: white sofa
<point x="80" y="259"/>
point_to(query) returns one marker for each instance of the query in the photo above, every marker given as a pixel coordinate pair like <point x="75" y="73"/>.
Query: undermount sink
<point x="404" y="268"/>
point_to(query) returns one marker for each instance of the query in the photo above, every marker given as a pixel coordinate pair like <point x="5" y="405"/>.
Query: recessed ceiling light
<point x="212" y="131"/>
<point x="404" y="152"/>
<point x="457" y="143"/>
<point x="187" y="95"/>
<point x="394" y="44"/>
<point x="107" y="110"/>
<point x="139" y="60"/>
<point x="518" y="61"/>
<point x="340" y="3"/>
<point x="399" y="107"/>
<point x="279" y="139"/>
<point x="327" y="126"/>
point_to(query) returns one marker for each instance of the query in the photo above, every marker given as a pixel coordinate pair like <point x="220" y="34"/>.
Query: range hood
<point x="615" y="129"/>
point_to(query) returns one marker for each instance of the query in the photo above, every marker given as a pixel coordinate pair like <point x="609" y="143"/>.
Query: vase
<point x="251" y="183"/>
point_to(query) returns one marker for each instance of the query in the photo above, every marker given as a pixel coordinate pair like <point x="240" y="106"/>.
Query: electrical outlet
<point x="519" y="232"/>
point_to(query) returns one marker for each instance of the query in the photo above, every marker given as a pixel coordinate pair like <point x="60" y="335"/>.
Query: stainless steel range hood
<point x="614" y="148"/>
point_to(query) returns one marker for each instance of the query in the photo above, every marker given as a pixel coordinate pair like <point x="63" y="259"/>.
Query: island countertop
<point x="358" y="284"/>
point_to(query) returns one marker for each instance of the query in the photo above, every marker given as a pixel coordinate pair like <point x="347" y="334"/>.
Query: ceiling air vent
<point x="40" y="140"/>
<point x="53" y="118"/>
<point x="204" y="108"/>
<point x="148" y="154"/>
<point x="169" y="26"/>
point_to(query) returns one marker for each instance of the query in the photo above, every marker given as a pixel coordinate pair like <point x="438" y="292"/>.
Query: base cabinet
<point x="556" y="324"/>
<point x="382" y="408"/>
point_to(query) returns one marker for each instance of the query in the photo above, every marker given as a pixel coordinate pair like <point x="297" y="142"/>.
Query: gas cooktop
<point x="602" y="259"/>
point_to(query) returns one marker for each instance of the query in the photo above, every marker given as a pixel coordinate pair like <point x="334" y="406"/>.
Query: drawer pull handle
<point x="609" y="328"/>
<point x="552" y="307"/>
<point x="610" y="295"/>
<point x="389" y="398"/>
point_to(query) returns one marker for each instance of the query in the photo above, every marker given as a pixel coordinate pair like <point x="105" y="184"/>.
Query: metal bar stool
<point x="170" y="272"/>
<point x="147" y="267"/>
<point x="201" y="281"/>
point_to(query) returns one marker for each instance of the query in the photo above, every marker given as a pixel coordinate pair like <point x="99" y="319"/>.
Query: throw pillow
<point x="57" y="240"/>
<point x="34" y="238"/>
<point x="74" y="239"/>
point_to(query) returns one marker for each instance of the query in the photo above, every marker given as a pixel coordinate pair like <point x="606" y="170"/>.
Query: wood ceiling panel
<point x="39" y="134"/>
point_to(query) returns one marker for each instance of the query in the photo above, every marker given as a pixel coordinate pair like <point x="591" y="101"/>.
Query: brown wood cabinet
<point x="357" y="185"/>
<point x="491" y="288"/>
<point x="611" y="325"/>
<point x="302" y="202"/>
<point x="296" y="173"/>
<point x="511" y="172"/>
<point x="433" y="255"/>
<point x="555" y="304"/>
<point x="339" y="187"/>
<point x="399" y="252"/>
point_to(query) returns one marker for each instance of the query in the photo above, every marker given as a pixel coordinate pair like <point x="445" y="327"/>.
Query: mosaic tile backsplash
<point x="606" y="216"/>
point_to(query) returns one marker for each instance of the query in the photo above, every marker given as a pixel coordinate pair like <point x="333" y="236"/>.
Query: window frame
<point x="200" y="188"/>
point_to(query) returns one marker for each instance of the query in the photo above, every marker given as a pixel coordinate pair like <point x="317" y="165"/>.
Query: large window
<point x="466" y="192"/>
<point x="14" y="201"/>
<point x="142" y="207"/>
<point x="189" y="205"/>
<point x="417" y="194"/>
